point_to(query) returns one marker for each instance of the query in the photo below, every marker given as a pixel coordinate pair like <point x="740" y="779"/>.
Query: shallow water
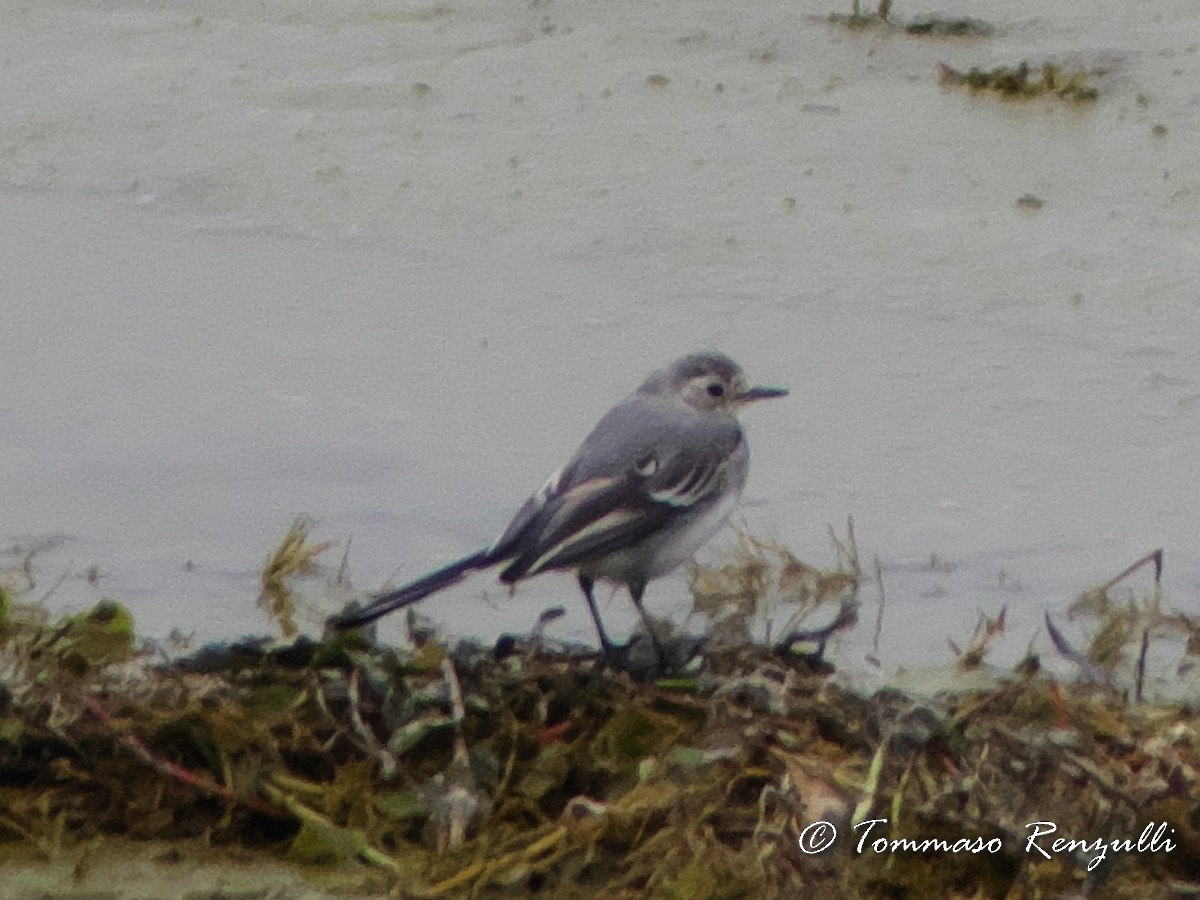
<point x="386" y="265"/>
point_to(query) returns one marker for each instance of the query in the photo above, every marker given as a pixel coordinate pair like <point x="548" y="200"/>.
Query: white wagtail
<point x="656" y="478"/>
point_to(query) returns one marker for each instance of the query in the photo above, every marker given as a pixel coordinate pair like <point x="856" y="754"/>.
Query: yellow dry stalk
<point x="294" y="556"/>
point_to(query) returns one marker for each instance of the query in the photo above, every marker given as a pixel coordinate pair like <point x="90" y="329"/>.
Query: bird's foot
<point x="611" y="657"/>
<point x="646" y="657"/>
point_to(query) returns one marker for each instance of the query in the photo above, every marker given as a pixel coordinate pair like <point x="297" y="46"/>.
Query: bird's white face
<point x="715" y="391"/>
<point x="708" y="382"/>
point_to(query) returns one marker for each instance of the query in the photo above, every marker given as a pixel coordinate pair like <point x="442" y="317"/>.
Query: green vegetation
<point x="431" y="771"/>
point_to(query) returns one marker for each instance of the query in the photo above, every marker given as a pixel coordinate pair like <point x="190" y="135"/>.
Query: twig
<point x="1089" y="669"/>
<point x="1154" y="556"/>
<point x="1103" y="780"/>
<point x="54" y="587"/>
<point x="342" y="579"/>
<point x="847" y="550"/>
<point x="871" y="785"/>
<point x="537" y="637"/>
<point x="1141" y="664"/>
<point x="385" y="759"/>
<point x="882" y="603"/>
<point x="511" y="762"/>
<point x="484" y="869"/>
<point x="164" y="766"/>
<point x="847" y="616"/>
<point x="460" y="797"/>
<point x="853" y="539"/>
<point x="985" y="630"/>
<point x="43" y="847"/>
<point x="458" y="712"/>
<point x="357" y="840"/>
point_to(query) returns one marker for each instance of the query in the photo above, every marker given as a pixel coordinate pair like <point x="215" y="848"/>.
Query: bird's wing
<point x="625" y="483"/>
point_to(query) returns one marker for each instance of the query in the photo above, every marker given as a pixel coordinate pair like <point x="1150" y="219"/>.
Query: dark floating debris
<point x="949" y="26"/>
<point x="1022" y="82"/>
<point x="925" y="25"/>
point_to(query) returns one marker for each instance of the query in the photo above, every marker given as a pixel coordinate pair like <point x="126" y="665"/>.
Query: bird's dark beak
<point x="760" y="392"/>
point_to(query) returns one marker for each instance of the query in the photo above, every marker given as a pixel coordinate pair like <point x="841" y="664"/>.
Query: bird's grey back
<point x="658" y="426"/>
<point x="658" y="438"/>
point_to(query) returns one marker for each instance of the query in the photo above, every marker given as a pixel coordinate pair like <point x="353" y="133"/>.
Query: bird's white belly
<point x="665" y="552"/>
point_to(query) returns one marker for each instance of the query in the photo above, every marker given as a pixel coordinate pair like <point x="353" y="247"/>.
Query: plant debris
<point x="925" y="25"/>
<point x="434" y="770"/>
<point x="294" y="556"/>
<point x="1022" y="82"/>
<point x="949" y="26"/>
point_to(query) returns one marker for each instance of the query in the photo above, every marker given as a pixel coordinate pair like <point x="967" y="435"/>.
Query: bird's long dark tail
<point x="412" y="592"/>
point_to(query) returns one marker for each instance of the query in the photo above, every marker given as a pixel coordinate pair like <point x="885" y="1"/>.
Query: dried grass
<point x="436" y="772"/>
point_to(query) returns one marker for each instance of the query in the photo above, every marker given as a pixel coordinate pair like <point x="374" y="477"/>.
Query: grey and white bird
<point x="658" y="476"/>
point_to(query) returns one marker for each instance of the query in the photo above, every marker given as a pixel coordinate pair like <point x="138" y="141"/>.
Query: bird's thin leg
<point x="635" y="592"/>
<point x="586" y="584"/>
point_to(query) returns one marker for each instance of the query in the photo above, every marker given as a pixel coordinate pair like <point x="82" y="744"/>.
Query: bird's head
<point x="708" y="381"/>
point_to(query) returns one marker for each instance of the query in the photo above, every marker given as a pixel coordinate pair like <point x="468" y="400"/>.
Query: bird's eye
<point x="716" y="390"/>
